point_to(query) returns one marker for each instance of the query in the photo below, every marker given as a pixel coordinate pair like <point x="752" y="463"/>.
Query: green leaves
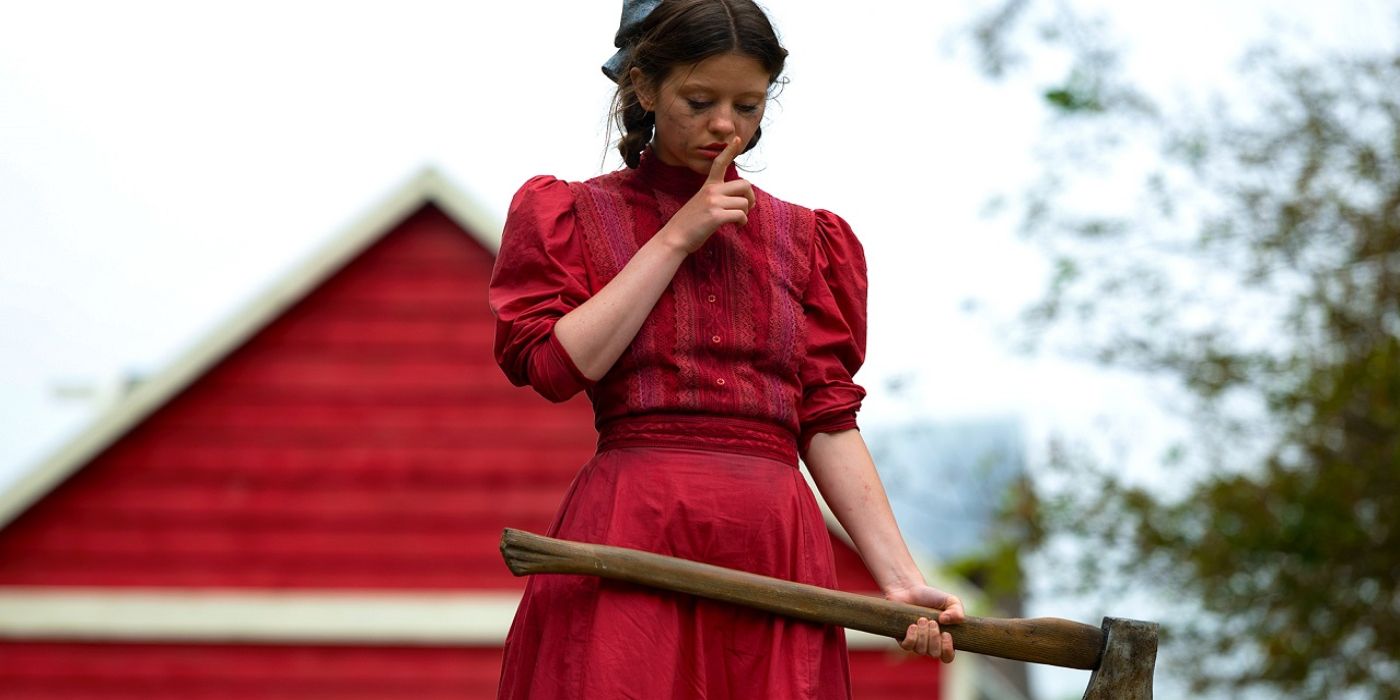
<point x="1072" y="99"/>
<point x="1259" y="269"/>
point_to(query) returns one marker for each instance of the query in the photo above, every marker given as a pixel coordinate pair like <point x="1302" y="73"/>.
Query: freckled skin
<point x="704" y="103"/>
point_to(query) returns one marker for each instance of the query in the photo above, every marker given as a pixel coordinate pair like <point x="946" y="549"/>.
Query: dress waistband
<point x="722" y="434"/>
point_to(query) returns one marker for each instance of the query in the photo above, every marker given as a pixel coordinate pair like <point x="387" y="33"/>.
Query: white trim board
<point x="272" y="616"/>
<point x="255" y="616"/>
<point x="428" y="186"/>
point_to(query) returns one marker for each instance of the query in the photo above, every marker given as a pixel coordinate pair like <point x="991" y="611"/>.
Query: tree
<point x="1254" y="266"/>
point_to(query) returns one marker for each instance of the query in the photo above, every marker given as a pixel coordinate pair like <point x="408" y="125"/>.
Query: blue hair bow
<point x="634" y="12"/>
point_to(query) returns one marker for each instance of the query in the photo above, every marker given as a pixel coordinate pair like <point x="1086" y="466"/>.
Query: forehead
<point x="730" y="73"/>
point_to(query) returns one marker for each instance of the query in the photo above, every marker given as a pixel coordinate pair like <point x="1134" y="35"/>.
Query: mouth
<point x="712" y="150"/>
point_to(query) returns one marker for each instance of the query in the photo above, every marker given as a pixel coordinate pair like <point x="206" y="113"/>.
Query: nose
<point x="722" y="121"/>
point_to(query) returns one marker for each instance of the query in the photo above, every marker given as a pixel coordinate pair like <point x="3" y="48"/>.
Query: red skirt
<point x="585" y="637"/>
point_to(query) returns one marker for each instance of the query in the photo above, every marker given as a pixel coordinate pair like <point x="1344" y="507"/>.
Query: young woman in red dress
<point x="716" y="329"/>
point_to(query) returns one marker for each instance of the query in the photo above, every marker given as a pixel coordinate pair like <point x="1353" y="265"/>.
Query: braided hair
<point x="680" y="32"/>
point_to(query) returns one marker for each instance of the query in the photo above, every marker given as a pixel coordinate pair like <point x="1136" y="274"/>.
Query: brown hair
<point x="678" y="32"/>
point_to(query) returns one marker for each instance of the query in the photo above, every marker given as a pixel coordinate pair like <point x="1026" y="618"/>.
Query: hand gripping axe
<point x="1121" y="654"/>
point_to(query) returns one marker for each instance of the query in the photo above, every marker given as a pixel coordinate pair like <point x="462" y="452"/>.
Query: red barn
<point x="307" y="504"/>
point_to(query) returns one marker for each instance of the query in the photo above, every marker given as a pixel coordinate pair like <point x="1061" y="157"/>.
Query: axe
<point x="1121" y="654"/>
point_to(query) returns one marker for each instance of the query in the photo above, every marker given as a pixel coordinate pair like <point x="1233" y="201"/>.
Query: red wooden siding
<point x="85" y="671"/>
<point x="851" y="574"/>
<point x="364" y="439"/>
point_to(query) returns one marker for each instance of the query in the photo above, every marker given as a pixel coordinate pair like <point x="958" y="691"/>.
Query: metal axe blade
<point x="1127" y="662"/>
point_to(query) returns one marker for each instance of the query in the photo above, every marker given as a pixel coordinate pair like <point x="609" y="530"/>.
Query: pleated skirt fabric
<point x="585" y="637"/>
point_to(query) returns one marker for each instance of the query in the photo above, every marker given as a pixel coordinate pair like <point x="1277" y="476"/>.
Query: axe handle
<point x="1041" y="640"/>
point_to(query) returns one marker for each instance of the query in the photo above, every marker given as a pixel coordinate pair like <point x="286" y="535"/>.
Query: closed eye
<point x="701" y="105"/>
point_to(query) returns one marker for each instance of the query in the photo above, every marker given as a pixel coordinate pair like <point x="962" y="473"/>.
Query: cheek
<point x="674" y="124"/>
<point x="751" y="124"/>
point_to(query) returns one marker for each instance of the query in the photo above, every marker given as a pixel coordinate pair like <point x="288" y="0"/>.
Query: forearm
<point x="597" y="332"/>
<point x="843" y="470"/>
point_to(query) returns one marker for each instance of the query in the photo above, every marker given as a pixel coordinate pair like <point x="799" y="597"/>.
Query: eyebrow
<point x="703" y="86"/>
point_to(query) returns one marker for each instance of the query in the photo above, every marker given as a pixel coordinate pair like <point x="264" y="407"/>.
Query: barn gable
<point x="426" y="187"/>
<point x="349" y="431"/>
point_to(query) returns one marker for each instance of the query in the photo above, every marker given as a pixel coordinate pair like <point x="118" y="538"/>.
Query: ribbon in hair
<point x="629" y="30"/>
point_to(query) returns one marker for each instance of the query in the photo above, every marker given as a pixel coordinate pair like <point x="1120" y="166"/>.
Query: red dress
<point x="747" y="354"/>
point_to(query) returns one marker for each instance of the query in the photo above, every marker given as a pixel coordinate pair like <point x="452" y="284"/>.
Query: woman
<point x="716" y="329"/>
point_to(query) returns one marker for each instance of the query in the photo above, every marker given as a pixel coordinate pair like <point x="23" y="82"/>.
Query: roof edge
<point x="427" y="186"/>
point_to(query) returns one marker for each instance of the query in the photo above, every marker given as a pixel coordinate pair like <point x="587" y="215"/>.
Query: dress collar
<point x="674" y="179"/>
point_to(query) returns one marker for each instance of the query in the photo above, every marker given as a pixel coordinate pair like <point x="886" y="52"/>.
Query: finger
<point x="935" y="639"/>
<point x="735" y="204"/>
<point x="721" y="163"/>
<point x="953" y="612"/>
<point x="738" y="188"/>
<point x="738" y="218"/>
<point x="922" y="645"/>
<point x="947" y="655"/>
<point x="910" y="637"/>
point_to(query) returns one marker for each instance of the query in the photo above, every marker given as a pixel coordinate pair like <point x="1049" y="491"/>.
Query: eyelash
<point x="699" y="105"/>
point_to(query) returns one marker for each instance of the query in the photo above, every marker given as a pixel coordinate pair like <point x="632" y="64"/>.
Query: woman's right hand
<point x="717" y="203"/>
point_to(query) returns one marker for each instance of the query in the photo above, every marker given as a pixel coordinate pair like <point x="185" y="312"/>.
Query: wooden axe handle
<point x="1042" y="640"/>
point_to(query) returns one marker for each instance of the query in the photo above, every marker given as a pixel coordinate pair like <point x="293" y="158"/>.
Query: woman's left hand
<point x="926" y="637"/>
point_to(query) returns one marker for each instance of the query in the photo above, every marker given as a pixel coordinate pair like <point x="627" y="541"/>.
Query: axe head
<point x="1126" y="664"/>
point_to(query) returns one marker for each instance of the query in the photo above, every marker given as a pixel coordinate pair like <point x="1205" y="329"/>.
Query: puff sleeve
<point x="539" y="276"/>
<point x="834" y="306"/>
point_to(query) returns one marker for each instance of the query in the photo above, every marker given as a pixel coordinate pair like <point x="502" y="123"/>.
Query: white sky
<point x="163" y="162"/>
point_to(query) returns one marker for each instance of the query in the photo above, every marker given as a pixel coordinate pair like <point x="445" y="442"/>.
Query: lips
<point x="712" y="150"/>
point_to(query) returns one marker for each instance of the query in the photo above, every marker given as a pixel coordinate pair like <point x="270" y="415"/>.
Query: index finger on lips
<point x="721" y="163"/>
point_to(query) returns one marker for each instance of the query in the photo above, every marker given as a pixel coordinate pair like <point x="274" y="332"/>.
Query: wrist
<point x="901" y="581"/>
<point x="675" y="241"/>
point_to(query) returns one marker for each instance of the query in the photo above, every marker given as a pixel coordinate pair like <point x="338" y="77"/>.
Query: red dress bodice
<point x="756" y="339"/>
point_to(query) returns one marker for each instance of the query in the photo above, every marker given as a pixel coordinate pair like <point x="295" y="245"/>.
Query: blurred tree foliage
<point x="1248" y="252"/>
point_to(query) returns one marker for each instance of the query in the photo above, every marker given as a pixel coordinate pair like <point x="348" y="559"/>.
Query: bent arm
<point x="597" y="332"/>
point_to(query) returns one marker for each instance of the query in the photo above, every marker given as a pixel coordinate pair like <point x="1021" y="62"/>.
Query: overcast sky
<point x="162" y="162"/>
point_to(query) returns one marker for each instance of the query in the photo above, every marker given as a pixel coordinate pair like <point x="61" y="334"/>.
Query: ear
<point x="646" y="96"/>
